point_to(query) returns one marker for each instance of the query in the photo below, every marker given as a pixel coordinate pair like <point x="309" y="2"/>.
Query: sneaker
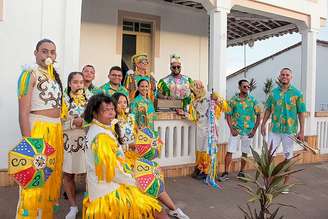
<point x="224" y="177"/>
<point x="72" y="213"/>
<point x="65" y="196"/>
<point x="201" y="176"/>
<point x="195" y="173"/>
<point x="241" y="174"/>
<point x="285" y="191"/>
<point x="178" y="213"/>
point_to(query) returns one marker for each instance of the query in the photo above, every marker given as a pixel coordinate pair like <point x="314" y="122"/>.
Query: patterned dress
<point x="74" y="138"/>
<point x="144" y="112"/>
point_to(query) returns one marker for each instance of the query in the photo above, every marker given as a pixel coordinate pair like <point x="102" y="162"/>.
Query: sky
<point x="264" y="48"/>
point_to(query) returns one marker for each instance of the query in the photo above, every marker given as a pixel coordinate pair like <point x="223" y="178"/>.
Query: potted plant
<point x="268" y="183"/>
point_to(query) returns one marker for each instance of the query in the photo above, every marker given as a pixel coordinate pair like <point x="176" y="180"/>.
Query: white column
<point x="217" y="60"/>
<point x="72" y="33"/>
<point x="308" y="76"/>
<point x="217" y="50"/>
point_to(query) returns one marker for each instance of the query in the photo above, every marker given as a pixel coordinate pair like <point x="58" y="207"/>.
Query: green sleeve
<point x="301" y="108"/>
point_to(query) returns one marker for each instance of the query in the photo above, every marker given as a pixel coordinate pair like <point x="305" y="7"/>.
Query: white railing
<point x="179" y="139"/>
<point x="322" y="132"/>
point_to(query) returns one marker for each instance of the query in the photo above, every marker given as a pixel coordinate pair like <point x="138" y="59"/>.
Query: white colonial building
<point x="108" y="32"/>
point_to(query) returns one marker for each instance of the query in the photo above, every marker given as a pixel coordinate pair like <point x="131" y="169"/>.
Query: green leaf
<point x="274" y="214"/>
<point x="269" y="197"/>
<point x="289" y="172"/>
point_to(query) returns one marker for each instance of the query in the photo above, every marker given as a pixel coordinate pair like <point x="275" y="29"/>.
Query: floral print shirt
<point x="243" y="113"/>
<point x="285" y="107"/>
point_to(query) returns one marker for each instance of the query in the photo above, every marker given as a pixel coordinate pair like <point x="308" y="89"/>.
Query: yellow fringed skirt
<point x="203" y="161"/>
<point x="127" y="202"/>
<point x="45" y="198"/>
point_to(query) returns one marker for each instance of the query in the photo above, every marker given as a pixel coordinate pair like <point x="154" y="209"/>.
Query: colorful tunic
<point x="144" y="112"/>
<point x="131" y="84"/>
<point x="243" y="113"/>
<point x="74" y="138"/>
<point x="201" y="108"/>
<point x="284" y="107"/>
<point x="46" y="94"/>
<point x="112" y="191"/>
<point x="108" y="90"/>
<point x="177" y="87"/>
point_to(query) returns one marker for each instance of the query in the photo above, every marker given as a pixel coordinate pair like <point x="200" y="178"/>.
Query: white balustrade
<point x="179" y="138"/>
<point x="322" y="132"/>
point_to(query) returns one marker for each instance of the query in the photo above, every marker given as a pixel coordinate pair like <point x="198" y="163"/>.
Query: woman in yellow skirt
<point x="40" y="101"/>
<point x="112" y="191"/>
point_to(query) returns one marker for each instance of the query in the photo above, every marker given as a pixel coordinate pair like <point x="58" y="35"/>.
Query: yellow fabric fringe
<point x="44" y="198"/>
<point x="51" y="72"/>
<point x="104" y="149"/>
<point x="64" y="110"/>
<point x="203" y="161"/>
<point x="127" y="202"/>
<point x="131" y="157"/>
<point x="23" y="83"/>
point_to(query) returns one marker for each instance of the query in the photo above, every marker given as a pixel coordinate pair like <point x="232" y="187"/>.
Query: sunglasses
<point x="246" y="86"/>
<point x="145" y="62"/>
<point x="176" y="67"/>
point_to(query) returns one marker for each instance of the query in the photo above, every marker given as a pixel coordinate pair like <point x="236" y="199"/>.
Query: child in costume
<point x="75" y="101"/>
<point x="40" y="102"/>
<point x="128" y="129"/>
<point x="198" y="112"/>
<point x="141" y="71"/>
<point x="112" y="191"/>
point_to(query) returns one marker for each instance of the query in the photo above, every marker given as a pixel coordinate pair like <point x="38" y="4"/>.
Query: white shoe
<point x="72" y="213"/>
<point x="178" y="213"/>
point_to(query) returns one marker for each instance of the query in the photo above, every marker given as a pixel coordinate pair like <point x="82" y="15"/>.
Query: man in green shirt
<point x="286" y="104"/>
<point x="243" y="118"/>
<point x="115" y="77"/>
<point x="89" y="74"/>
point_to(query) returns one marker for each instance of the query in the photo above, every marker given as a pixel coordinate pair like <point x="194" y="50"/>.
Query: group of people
<point x="93" y="131"/>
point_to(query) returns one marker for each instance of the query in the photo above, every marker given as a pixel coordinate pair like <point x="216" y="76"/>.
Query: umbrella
<point x="31" y="162"/>
<point x="149" y="178"/>
<point x="148" y="144"/>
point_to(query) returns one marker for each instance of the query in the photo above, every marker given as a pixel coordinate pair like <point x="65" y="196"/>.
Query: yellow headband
<point x="139" y="57"/>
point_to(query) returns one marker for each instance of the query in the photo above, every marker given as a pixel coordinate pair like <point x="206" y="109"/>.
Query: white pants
<point x="245" y="143"/>
<point x="287" y="143"/>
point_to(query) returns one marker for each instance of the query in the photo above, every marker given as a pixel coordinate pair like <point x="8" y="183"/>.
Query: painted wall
<point x="292" y="60"/>
<point x="183" y="31"/>
<point x="23" y="26"/>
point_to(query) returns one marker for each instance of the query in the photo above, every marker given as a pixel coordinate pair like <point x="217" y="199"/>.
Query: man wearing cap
<point x="141" y="71"/>
<point x="175" y="85"/>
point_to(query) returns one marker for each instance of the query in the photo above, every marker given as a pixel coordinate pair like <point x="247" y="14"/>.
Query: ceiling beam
<point x="241" y="27"/>
<point x="268" y="33"/>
